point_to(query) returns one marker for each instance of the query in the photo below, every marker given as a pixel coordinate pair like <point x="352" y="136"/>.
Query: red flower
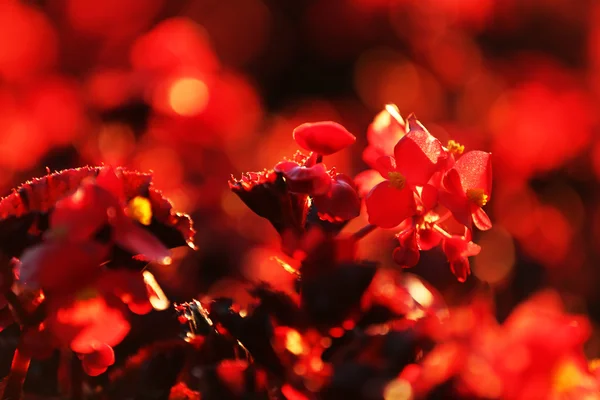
<point x="385" y="131"/>
<point x="323" y="138"/>
<point x="101" y="202"/>
<point x="457" y="250"/>
<point x="468" y="188"/>
<point x="86" y="300"/>
<point x="417" y="156"/>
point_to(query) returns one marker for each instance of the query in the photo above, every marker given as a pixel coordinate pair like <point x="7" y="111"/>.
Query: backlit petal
<point x="388" y="207"/>
<point x="324" y="138"/>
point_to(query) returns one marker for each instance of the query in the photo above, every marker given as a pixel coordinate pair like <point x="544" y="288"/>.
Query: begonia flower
<point x="387" y="128"/>
<point x="468" y="187"/>
<point x="417" y="156"/>
<point x="457" y="250"/>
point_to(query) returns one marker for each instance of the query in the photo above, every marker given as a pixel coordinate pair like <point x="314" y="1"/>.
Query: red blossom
<point x="417" y="156"/>
<point x="457" y="250"/>
<point x="385" y="131"/>
<point x="468" y="187"/>
<point x="323" y="138"/>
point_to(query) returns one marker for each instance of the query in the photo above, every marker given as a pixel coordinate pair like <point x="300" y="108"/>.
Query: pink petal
<point x="324" y="138"/>
<point x="475" y="170"/>
<point x="139" y="241"/>
<point x="313" y="181"/>
<point x="388" y="207"/>
<point x="481" y="219"/>
<point x="418" y="156"/>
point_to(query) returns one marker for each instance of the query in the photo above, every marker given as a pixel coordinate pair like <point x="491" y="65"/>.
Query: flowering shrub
<point x="79" y="246"/>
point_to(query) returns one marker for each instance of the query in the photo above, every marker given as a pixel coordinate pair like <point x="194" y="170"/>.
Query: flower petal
<point x="62" y="266"/>
<point x="324" y="138"/>
<point x="427" y="239"/>
<point x="341" y="203"/>
<point x="386" y="129"/>
<point x="456" y="248"/>
<point x="407" y="254"/>
<point x="139" y="241"/>
<point x="459" y="207"/>
<point x="384" y="165"/>
<point x="418" y="156"/>
<point x="388" y="207"/>
<point x="428" y="197"/>
<point x="475" y="170"/>
<point x="313" y="181"/>
<point x="83" y="213"/>
<point x="461" y="269"/>
<point x="109" y="180"/>
<point x="481" y="219"/>
<point x="366" y="180"/>
<point x="99" y="360"/>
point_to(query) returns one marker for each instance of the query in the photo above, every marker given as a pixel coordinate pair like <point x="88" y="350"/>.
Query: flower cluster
<point x="426" y="190"/>
<point x="287" y="192"/>
<point x="536" y="353"/>
<point x="76" y="244"/>
<point x="83" y="237"/>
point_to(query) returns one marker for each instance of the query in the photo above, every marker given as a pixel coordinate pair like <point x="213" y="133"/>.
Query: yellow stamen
<point x="477" y="196"/>
<point x="455" y="147"/>
<point x="140" y="209"/>
<point x="397" y="180"/>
